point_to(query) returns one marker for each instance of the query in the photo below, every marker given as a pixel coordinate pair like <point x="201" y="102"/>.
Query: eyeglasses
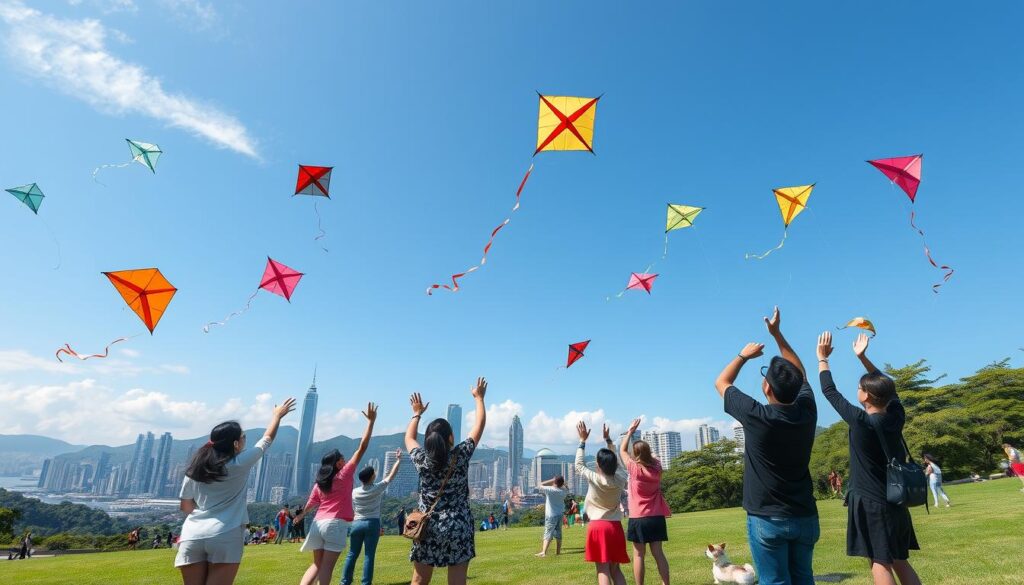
<point x="764" y="371"/>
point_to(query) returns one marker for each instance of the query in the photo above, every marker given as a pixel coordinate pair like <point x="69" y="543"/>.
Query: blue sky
<point x="428" y="114"/>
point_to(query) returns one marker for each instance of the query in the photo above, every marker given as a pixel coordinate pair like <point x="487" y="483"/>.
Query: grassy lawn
<point x="977" y="541"/>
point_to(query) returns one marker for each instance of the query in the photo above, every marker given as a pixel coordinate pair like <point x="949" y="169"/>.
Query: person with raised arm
<point x="213" y="497"/>
<point x="443" y="469"/>
<point x="606" y="542"/>
<point x="648" y="508"/>
<point x="332" y="499"/>
<point x="778" y="495"/>
<point x="879" y="531"/>
<point x="366" y="526"/>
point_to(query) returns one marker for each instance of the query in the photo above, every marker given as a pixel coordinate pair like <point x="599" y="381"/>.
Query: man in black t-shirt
<point x="782" y="517"/>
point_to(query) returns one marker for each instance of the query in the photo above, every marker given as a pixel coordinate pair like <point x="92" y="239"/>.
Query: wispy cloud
<point x="17" y="360"/>
<point x="73" y="56"/>
<point x="196" y="14"/>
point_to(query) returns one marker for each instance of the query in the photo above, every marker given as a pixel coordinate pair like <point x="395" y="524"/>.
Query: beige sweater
<point x="602" y="502"/>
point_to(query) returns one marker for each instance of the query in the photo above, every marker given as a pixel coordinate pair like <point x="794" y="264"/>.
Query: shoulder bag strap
<point x="881" y="439"/>
<point x="440" y="492"/>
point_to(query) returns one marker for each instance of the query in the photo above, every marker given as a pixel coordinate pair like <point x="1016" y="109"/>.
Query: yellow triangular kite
<point x="792" y="201"/>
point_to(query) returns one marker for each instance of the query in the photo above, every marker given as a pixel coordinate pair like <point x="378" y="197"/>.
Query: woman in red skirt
<point x="606" y="541"/>
<point x="1015" y="464"/>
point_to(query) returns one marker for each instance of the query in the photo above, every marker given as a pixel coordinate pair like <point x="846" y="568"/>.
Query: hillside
<point x="22" y="454"/>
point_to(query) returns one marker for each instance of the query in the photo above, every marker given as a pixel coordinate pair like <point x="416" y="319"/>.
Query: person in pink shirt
<point x="332" y="498"/>
<point x="647" y="506"/>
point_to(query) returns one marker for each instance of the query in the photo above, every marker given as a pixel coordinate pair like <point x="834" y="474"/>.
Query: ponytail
<point x="207" y="465"/>
<point x="328" y="469"/>
<point x="435" y="442"/>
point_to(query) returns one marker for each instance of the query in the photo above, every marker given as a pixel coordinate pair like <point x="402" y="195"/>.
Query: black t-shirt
<point x="867" y="459"/>
<point x="778" y="440"/>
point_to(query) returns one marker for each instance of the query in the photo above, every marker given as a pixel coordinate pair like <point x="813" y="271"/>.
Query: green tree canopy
<point x="706" y="479"/>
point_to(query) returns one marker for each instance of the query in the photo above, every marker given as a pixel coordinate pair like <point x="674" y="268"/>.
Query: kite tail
<point x="785" y="234"/>
<point x="106" y="351"/>
<point x="319" y="227"/>
<point x="206" y="328"/>
<point x="664" y="253"/>
<point x="454" y="287"/>
<point x="928" y="254"/>
<point x="112" y="166"/>
<point x="55" y="243"/>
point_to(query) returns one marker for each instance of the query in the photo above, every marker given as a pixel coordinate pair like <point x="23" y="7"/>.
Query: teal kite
<point x="30" y="195"/>
<point x="144" y="153"/>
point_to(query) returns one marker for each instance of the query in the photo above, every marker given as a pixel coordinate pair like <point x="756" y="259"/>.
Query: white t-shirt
<point x="366" y="501"/>
<point x="936" y="476"/>
<point x="554" y="500"/>
<point x="220" y="505"/>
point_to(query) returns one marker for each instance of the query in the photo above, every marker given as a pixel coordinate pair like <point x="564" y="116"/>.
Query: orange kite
<point x="146" y="291"/>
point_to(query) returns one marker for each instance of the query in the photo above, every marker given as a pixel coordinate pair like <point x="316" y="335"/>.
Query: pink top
<point x="645" y="497"/>
<point x="336" y="503"/>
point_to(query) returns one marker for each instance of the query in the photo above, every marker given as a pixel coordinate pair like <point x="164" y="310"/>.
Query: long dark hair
<point x="207" y="465"/>
<point x="435" y="442"/>
<point x="328" y="469"/>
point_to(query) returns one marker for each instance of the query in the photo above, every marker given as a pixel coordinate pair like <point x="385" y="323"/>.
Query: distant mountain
<point x="23" y="454"/>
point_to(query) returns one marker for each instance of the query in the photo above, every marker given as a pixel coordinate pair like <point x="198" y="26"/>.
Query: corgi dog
<point x="724" y="571"/>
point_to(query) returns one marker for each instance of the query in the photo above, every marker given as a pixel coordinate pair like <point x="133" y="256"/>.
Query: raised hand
<point x="860" y="345"/>
<point x="583" y="431"/>
<point x="417" y="403"/>
<point x="480" y="389"/>
<point x="824" y="345"/>
<point x="280" y="411"/>
<point x="752" y="350"/>
<point x="633" y="426"/>
<point x="774" y="324"/>
<point x="371" y="412"/>
<point x="606" y="432"/>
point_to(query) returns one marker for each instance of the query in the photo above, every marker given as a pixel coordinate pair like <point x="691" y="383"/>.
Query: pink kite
<point x="277" y="278"/>
<point x="905" y="172"/>
<point x="642" y="281"/>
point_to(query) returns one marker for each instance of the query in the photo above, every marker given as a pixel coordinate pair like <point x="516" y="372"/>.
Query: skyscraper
<point x="515" y="453"/>
<point x="741" y="442"/>
<point x="455" y="419"/>
<point x="142" y="464"/>
<point x="706" y="435"/>
<point x="406" y="481"/>
<point x="157" y="486"/>
<point x="302" y="480"/>
<point x="665" y="445"/>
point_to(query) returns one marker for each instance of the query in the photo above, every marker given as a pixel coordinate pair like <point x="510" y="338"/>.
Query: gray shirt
<point x="366" y="501"/>
<point x="554" y="500"/>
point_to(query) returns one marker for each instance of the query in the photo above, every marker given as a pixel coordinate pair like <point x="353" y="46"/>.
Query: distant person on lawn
<point x="365" y="530"/>
<point x="298" y="526"/>
<point x="606" y="542"/>
<point x="332" y="499"/>
<point x="443" y="469"/>
<point x="283" y="516"/>
<point x="934" y="473"/>
<point x="1016" y="466"/>
<point x="647" y="506"/>
<point x="877" y="530"/>
<point x="778" y="495"/>
<point x="213" y="497"/>
<point x="554" y="510"/>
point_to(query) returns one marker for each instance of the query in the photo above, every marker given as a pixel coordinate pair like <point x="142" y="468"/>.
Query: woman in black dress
<point x="448" y="541"/>
<point x="877" y="530"/>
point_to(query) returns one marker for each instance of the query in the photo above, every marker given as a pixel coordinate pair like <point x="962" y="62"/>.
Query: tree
<point x="706" y="479"/>
<point x="8" y="517"/>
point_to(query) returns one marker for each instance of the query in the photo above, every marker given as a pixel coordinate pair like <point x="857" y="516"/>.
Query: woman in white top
<point x="934" y="473"/>
<point x="606" y="541"/>
<point x="213" y="496"/>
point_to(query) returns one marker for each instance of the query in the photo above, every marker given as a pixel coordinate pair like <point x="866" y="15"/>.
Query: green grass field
<point x="977" y="541"/>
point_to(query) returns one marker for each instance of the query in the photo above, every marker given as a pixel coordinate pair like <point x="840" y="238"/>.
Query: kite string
<point x="319" y="226"/>
<point x="785" y="234"/>
<point x="106" y="350"/>
<point x="110" y="166"/>
<point x="56" y="243"/>
<point x="454" y="287"/>
<point x="206" y="328"/>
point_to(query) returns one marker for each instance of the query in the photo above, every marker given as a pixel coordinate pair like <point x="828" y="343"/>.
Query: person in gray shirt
<point x="365" y="528"/>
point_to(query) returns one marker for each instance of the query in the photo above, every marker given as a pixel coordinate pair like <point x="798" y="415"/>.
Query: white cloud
<point x="108" y="5"/>
<point x="345" y="421"/>
<point x="16" y="360"/>
<point x="499" y="419"/>
<point x="559" y="433"/>
<point x="197" y="14"/>
<point x="73" y="57"/>
<point x="687" y="427"/>
<point x="132" y="353"/>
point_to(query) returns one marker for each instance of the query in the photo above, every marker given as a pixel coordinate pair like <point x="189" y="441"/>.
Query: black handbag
<point x="905" y="482"/>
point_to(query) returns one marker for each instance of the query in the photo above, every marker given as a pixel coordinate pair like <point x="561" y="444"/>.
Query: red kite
<point x="576" y="352"/>
<point x="314" y="181"/>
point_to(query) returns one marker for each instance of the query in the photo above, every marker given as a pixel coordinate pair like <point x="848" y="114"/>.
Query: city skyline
<point x="302" y="476"/>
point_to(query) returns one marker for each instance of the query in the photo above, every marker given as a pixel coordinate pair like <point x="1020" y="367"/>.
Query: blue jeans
<point x="783" y="548"/>
<point x="361" y="532"/>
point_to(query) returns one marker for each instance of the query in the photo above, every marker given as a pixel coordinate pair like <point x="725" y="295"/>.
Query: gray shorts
<point x="553" y="528"/>
<point x="223" y="548"/>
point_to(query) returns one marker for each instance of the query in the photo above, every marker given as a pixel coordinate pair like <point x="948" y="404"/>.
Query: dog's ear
<point x="711" y="548"/>
<point x="722" y="546"/>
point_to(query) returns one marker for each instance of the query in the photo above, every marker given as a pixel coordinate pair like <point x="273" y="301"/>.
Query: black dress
<point x="876" y="529"/>
<point x="449" y="534"/>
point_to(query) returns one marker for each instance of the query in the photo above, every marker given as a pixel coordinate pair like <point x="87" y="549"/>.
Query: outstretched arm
<point x="860" y="349"/>
<point x="732" y="369"/>
<point x="774" y="325"/>
<point x="275" y="419"/>
<point x="412" y="431"/>
<point x="480" y="420"/>
<point x="624" y="455"/>
<point x="394" y="468"/>
<point x="371" y="417"/>
<point x="847" y="411"/>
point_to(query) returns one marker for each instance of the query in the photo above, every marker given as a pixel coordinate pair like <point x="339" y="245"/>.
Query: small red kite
<point x="576" y="352"/>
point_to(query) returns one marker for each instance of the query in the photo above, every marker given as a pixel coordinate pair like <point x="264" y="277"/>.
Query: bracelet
<point x="741" y="356"/>
<point x="824" y="360"/>
<point x="416" y="416"/>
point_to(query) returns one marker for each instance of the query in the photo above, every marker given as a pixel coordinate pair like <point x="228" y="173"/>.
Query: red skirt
<point x="1018" y="469"/>
<point x="606" y="542"/>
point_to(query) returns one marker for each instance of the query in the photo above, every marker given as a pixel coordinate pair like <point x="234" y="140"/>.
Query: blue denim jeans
<point x="361" y="532"/>
<point x="783" y="548"/>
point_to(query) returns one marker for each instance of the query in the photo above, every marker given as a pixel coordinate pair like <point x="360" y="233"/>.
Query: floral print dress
<point x="449" y="535"/>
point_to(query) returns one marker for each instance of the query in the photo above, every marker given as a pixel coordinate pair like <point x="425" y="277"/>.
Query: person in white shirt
<point x="213" y="497"/>
<point x="365" y="528"/>
<point x="606" y="541"/>
<point x="934" y="473"/>
<point x="554" y="507"/>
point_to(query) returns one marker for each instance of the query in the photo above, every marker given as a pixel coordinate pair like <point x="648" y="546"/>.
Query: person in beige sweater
<point x="606" y="541"/>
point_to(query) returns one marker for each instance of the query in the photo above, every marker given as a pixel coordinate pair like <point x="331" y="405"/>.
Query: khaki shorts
<point x="326" y="534"/>
<point x="223" y="548"/>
